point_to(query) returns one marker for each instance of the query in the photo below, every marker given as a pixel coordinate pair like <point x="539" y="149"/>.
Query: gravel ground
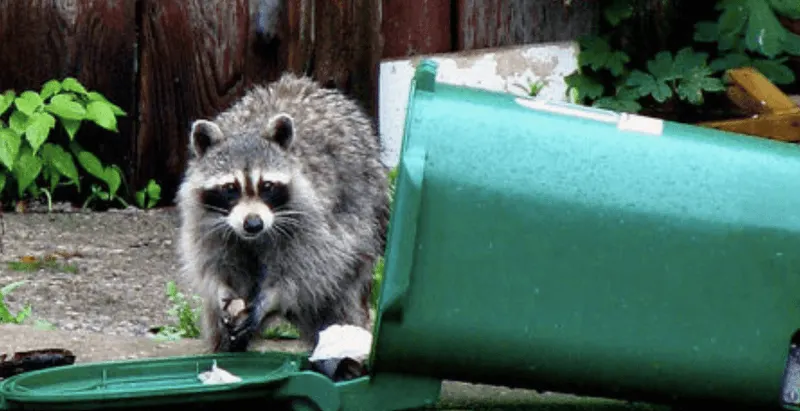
<point x="112" y="270"/>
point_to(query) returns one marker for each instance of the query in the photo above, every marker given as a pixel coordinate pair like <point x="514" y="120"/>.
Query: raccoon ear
<point x="204" y="134"/>
<point x="281" y="130"/>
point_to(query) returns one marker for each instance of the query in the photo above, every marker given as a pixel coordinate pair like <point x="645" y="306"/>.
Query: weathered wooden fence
<point x="167" y="62"/>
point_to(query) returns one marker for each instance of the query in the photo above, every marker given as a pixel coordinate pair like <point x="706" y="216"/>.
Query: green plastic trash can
<point x="565" y="248"/>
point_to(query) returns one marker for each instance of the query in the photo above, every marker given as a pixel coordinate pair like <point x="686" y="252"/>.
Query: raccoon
<point x="284" y="203"/>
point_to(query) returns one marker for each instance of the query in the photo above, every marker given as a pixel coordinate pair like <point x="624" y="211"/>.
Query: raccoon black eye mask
<point x="275" y="195"/>
<point x="221" y="199"/>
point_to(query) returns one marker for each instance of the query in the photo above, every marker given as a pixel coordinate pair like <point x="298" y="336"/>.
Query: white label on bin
<point x="567" y="109"/>
<point x="642" y="124"/>
<point x="624" y="121"/>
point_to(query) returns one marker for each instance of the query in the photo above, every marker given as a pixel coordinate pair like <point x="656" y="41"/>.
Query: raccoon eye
<point x="265" y="186"/>
<point x="230" y="189"/>
<point x="274" y="194"/>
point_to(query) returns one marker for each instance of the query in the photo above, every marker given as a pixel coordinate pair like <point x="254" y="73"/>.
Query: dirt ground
<point x="122" y="261"/>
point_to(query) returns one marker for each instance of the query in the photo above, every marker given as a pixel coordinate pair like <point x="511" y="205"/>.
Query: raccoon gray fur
<point x="284" y="204"/>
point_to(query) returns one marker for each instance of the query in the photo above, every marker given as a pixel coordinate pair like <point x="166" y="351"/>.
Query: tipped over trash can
<point x="566" y="248"/>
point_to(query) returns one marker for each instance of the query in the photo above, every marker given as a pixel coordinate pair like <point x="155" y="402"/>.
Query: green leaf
<point x="22" y="315"/>
<point x="696" y="82"/>
<point x="153" y="189"/>
<point x="2" y="182"/>
<point x="687" y="60"/>
<point x="95" y="96"/>
<point x="154" y="193"/>
<point x="594" y="52"/>
<point x="617" y="11"/>
<point x="10" y="142"/>
<point x="733" y="18"/>
<point x="140" y="197"/>
<point x="616" y="104"/>
<point x="72" y="126"/>
<point x="597" y="54"/>
<point x="586" y="86"/>
<point x="731" y="43"/>
<point x="5" y="315"/>
<point x="28" y="102"/>
<point x="113" y="178"/>
<point x="18" y="121"/>
<point x="72" y="84"/>
<point x="787" y="8"/>
<point x="26" y="169"/>
<point x="645" y="84"/>
<point x="102" y="115"/>
<point x="730" y="61"/>
<point x="791" y="44"/>
<point x="6" y="100"/>
<point x="89" y="162"/>
<point x="706" y="32"/>
<point x="775" y="71"/>
<point x="616" y="63"/>
<point x="662" y="67"/>
<point x="764" y="32"/>
<point x="49" y="89"/>
<point x="63" y="106"/>
<point x="61" y="160"/>
<point x="53" y="176"/>
<point x="6" y="290"/>
<point x="38" y="129"/>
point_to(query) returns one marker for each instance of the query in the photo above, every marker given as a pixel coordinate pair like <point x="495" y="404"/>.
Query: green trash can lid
<point x="144" y="382"/>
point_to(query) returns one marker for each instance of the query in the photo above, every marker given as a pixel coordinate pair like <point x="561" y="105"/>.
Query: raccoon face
<point x="250" y="191"/>
<point x="248" y="202"/>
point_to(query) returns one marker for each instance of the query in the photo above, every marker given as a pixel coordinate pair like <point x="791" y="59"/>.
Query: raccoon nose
<point x="253" y="224"/>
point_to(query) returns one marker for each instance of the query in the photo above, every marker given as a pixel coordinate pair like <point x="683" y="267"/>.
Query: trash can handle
<point x="409" y="183"/>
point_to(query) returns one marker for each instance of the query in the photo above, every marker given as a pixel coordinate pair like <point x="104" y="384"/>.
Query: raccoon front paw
<point x="238" y="321"/>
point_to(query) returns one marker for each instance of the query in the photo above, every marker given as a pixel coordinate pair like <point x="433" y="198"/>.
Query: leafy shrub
<point x="746" y="33"/>
<point x="33" y="163"/>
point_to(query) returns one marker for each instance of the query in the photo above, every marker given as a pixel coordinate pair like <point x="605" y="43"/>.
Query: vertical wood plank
<point x="299" y="35"/>
<point x="197" y="58"/>
<point x="264" y="61"/>
<point x="497" y="23"/>
<point x="346" y="47"/>
<point x="91" y="40"/>
<point x="424" y="28"/>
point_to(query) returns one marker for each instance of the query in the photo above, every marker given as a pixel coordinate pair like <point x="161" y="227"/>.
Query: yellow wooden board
<point x="775" y="115"/>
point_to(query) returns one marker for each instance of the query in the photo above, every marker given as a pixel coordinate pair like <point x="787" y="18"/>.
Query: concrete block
<point x="506" y="69"/>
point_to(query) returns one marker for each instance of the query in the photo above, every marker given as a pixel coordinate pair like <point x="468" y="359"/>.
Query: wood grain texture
<point x="346" y="47"/>
<point x="497" y="23"/>
<point x="197" y="58"/>
<point x="422" y="29"/>
<point x="91" y="40"/>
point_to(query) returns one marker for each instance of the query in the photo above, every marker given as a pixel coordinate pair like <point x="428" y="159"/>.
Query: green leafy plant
<point x="149" y="195"/>
<point x="44" y="325"/>
<point x="186" y="314"/>
<point x="31" y="159"/>
<point x="6" y="316"/>
<point x="746" y="33"/>
<point x="282" y="331"/>
<point x="749" y="33"/>
<point x="40" y="151"/>
<point x="32" y="266"/>
<point x="533" y="88"/>
<point x="378" y="270"/>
